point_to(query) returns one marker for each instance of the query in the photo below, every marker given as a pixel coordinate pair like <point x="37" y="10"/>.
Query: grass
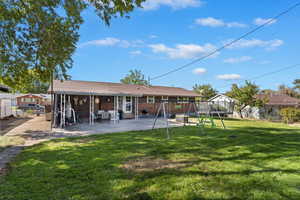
<point x="250" y="160"/>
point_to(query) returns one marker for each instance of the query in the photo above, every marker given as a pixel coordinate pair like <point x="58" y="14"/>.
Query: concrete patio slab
<point x="111" y="127"/>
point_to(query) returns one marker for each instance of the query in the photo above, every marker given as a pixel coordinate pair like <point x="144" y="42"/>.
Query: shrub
<point x="290" y="115"/>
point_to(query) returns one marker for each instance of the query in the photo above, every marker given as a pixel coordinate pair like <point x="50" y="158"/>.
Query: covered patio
<point x="85" y="102"/>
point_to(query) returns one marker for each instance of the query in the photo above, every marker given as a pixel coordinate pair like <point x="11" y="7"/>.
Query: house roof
<point x="279" y="99"/>
<point x="16" y="95"/>
<point x="114" y="89"/>
<point x="30" y="95"/>
<point x="221" y="95"/>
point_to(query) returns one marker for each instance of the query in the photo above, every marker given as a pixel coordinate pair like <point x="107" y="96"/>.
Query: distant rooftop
<point x="279" y="99"/>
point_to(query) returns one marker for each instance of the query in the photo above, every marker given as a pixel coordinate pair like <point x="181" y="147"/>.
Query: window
<point x="150" y="99"/>
<point x="164" y="98"/>
<point x="127" y="104"/>
<point x="182" y="100"/>
<point x="27" y="100"/>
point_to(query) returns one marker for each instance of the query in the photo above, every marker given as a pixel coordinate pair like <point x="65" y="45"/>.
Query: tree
<point x="283" y="89"/>
<point x="206" y="91"/>
<point x="297" y="84"/>
<point x="135" y="77"/>
<point x="245" y="96"/>
<point x="38" y="37"/>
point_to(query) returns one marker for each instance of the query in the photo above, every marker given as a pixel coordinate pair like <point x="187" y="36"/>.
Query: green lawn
<point x="249" y="160"/>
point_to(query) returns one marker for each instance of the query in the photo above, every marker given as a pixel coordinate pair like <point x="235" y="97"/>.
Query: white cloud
<point x="199" y="71"/>
<point x="238" y="60"/>
<point x="235" y="24"/>
<point x="185" y="51"/>
<point x="174" y="4"/>
<point x="229" y="76"/>
<point x="244" y="43"/>
<point x="153" y="36"/>
<point x="213" y="22"/>
<point x="264" y="62"/>
<point x="260" y="21"/>
<point x="135" y="52"/>
<point x="110" y="41"/>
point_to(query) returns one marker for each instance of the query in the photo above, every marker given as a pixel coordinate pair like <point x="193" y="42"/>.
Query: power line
<point x="228" y="44"/>
<point x="266" y="74"/>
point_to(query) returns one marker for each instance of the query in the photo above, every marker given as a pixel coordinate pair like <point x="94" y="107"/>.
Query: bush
<point x="290" y="115"/>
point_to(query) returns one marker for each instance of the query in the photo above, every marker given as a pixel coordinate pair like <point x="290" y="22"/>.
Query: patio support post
<point x="93" y="109"/>
<point x="64" y="117"/>
<point x="115" y="109"/>
<point x="136" y="108"/>
<point x="61" y="113"/>
<point x="54" y="110"/>
<point x="90" y="113"/>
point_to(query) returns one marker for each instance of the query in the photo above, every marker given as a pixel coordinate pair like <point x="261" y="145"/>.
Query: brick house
<point x="86" y="97"/>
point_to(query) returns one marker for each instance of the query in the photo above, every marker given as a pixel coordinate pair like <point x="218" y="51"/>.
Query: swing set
<point x="205" y="114"/>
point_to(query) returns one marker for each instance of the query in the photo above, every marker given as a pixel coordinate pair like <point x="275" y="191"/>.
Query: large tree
<point x="206" y="91"/>
<point x="283" y="89"/>
<point x="135" y="77"/>
<point x="245" y="96"/>
<point x="38" y="37"/>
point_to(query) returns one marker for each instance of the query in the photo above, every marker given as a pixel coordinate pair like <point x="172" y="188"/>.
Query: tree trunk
<point x="241" y="114"/>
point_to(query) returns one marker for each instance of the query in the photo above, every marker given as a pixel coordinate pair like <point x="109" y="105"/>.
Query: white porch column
<point x="136" y="108"/>
<point x="90" y="107"/>
<point x="61" y="109"/>
<point x="93" y="111"/>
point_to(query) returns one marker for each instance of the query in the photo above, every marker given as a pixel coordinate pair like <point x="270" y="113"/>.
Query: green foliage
<point x="206" y="91"/>
<point x="297" y="84"/>
<point x="38" y="37"/>
<point x="283" y="89"/>
<point x="135" y="77"/>
<point x="290" y="115"/>
<point x="245" y="96"/>
<point x="251" y="160"/>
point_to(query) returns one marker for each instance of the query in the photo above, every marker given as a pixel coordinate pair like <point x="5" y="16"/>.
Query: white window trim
<point x="124" y="104"/>
<point x="149" y="101"/>
<point x="163" y="98"/>
<point x="181" y="101"/>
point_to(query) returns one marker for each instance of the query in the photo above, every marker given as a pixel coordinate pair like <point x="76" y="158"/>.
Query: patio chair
<point x="114" y="115"/>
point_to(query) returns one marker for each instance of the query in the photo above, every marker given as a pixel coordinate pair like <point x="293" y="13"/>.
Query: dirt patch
<point x="84" y="140"/>
<point x="150" y="164"/>
<point x="295" y="125"/>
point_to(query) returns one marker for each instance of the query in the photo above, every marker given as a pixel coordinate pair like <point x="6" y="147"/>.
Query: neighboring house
<point x="271" y="109"/>
<point x="88" y="98"/>
<point x="275" y="102"/>
<point x="4" y="89"/>
<point x="25" y="100"/>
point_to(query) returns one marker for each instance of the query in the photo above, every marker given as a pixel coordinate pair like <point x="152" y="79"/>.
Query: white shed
<point x="5" y="108"/>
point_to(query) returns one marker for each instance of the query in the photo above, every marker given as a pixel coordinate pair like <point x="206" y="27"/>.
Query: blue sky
<point x="169" y="33"/>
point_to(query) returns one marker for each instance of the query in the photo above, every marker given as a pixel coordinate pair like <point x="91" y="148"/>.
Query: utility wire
<point x="229" y="43"/>
<point x="266" y="74"/>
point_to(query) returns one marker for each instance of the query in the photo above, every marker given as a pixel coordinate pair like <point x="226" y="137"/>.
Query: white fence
<point x="6" y="108"/>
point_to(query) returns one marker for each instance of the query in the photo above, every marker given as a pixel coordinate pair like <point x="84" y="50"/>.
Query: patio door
<point x="127" y="104"/>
